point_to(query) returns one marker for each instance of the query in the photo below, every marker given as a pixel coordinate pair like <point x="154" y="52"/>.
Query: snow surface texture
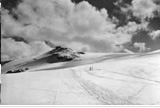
<point x="95" y="79"/>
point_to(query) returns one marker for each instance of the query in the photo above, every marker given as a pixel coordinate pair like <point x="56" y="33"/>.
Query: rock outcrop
<point x="61" y="54"/>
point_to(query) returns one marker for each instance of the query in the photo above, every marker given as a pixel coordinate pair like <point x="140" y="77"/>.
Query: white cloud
<point x="142" y="46"/>
<point x="78" y="26"/>
<point x="144" y="8"/>
<point x="155" y="34"/>
<point x="58" y="21"/>
<point x="139" y="8"/>
<point x="11" y="49"/>
<point x="124" y="34"/>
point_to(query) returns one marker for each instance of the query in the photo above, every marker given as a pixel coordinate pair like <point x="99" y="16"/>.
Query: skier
<point x="91" y="68"/>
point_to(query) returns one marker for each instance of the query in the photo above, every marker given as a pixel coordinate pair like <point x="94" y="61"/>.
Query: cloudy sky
<point x="32" y="27"/>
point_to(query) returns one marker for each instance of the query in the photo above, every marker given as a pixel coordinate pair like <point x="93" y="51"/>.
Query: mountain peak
<point x="62" y="54"/>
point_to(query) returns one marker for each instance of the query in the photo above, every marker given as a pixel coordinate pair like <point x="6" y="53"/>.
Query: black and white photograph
<point x="80" y="52"/>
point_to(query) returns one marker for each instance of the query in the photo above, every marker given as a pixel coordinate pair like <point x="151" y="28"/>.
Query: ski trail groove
<point x="101" y="94"/>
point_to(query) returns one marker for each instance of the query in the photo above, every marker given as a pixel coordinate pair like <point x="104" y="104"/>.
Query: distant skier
<point x="91" y="68"/>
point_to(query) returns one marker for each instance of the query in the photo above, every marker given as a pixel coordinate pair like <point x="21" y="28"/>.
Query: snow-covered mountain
<point x="87" y="79"/>
<point x="59" y="54"/>
<point x="155" y="51"/>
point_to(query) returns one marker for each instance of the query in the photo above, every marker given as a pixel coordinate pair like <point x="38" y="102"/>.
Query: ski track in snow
<point x="101" y="94"/>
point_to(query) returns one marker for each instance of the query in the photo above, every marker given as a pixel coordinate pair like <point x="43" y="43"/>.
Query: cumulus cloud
<point x="155" y="34"/>
<point x="141" y="9"/>
<point x="124" y="34"/>
<point x="144" y="11"/>
<point x="144" y="8"/>
<point x="11" y="49"/>
<point x="78" y="26"/>
<point x="59" y="20"/>
<point x="142" y="46"/>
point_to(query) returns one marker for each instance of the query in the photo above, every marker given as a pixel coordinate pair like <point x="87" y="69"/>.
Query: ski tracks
<point x="99" y="93"/>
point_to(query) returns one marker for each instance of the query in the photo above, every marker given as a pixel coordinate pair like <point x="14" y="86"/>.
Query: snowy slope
<point x="95" y="79"/>
<point x="59" y="54"/>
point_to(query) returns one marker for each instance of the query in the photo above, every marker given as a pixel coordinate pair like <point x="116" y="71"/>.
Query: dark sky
<point x="155" y="23"/>
<point x="9" y="4"/>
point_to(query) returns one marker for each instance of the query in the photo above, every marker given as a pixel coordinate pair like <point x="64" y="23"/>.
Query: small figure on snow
<point x="91" y="68"/>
